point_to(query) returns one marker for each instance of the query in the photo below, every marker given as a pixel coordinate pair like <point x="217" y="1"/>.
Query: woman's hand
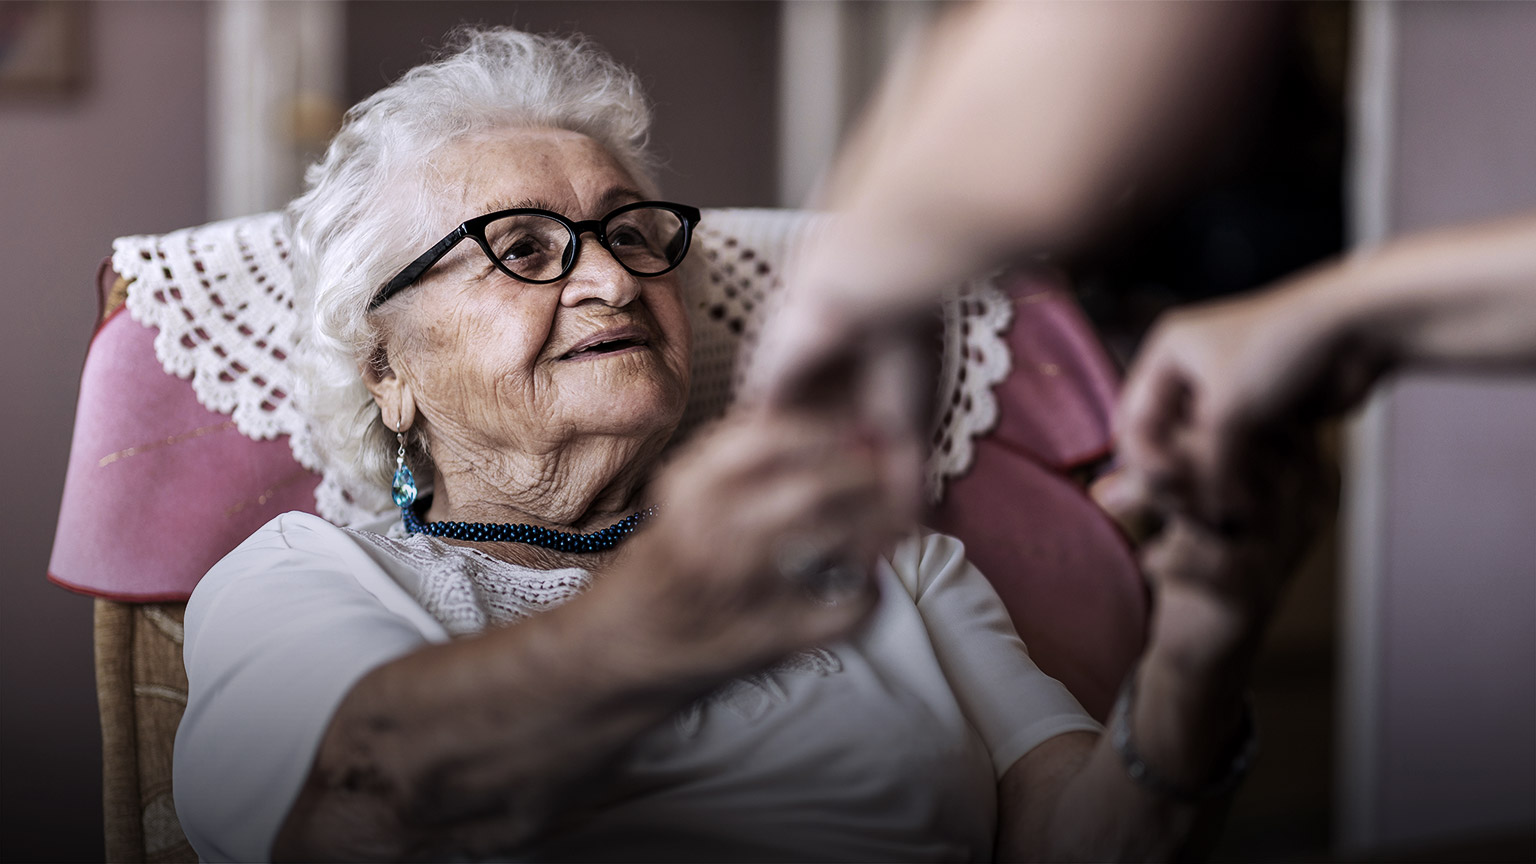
<point x="1215" y="588"/>
<point x="1216" y="581"/>
<point x="477" y="747"/>
<point x="712" y="582"/>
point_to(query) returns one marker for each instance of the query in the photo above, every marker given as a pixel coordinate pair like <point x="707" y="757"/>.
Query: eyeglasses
<point x="647" y="238"/>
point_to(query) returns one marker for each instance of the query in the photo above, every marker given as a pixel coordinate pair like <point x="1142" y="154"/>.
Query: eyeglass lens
<point x="647" y="240"/>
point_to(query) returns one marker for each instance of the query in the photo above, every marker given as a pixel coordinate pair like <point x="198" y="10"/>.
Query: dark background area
<point x="1265" y="199"/>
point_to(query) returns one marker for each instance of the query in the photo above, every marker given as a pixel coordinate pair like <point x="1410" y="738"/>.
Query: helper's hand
<point x="715" y="583"/>
<point x="869" y="370"/>
<point x="1217" y="445"/>
<point x="1214" y="382"/>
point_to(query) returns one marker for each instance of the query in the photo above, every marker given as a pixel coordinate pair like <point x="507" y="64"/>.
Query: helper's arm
<point x="1213" y="378"/>
<point x="1021" y="126"/>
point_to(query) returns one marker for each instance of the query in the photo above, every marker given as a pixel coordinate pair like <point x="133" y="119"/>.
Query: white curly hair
<point x="368" y="207"/>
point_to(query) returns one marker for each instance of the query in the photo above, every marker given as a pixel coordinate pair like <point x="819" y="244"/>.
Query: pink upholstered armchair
<point x="186" y="442"/>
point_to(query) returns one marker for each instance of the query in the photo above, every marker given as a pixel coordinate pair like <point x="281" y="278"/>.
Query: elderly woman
<point x="763" y="672"/>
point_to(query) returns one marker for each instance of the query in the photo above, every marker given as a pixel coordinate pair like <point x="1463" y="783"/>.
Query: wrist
<point x="1183" y="723"/>
<point x="1181" y="756"/>
<point x="1199" y="635"/>
<point x="1365" y="321"/>
<point x="618" y="649"/>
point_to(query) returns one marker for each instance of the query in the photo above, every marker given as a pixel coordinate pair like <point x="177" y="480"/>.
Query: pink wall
<point x="126" y="155"/>
<point x="1458" y="601"/>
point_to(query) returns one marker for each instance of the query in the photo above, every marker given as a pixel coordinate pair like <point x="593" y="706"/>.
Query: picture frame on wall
<point x="42" y="47"/>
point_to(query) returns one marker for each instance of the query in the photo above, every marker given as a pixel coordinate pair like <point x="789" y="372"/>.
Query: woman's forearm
<point x="1184" y="722"/>
<point x="478" y="745"/>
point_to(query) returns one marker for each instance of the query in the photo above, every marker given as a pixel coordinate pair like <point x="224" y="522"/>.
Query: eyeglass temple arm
<point x="407" y="277"/>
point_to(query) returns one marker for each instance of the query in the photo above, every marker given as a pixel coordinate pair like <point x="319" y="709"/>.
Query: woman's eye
<point x="626" y="236"/>
<point x="522" y="247"/>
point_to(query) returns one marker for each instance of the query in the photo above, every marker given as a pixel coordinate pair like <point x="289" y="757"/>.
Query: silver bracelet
<point x="1245" y="747"/>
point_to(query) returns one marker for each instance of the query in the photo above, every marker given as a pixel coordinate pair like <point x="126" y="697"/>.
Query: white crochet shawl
<point x="221" y="298"/>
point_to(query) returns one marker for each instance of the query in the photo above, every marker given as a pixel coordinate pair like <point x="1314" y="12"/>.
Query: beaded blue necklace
<point x="549" y="538"/>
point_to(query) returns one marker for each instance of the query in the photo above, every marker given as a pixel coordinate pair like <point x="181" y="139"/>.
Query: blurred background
<point x="1397" y="695"/>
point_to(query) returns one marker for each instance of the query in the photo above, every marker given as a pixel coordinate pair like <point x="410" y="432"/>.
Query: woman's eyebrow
<point x="615" y="197"/>
<point x="619" y="196"/>
<point x="499" y="204"/>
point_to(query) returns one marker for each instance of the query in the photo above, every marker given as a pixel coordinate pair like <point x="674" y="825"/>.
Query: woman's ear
<point x="391" y="392"/>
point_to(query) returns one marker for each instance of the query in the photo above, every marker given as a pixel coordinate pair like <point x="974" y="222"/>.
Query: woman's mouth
<point x="618" y="340"/>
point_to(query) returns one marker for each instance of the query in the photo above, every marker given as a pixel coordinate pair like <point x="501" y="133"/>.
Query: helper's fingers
<point x="746" y="445"/>
<point x="1186" y="551"/>
<point x="1124" y="496"/>
<point x="800" y="351"/>
<point x="1154" y="404"/>
<point x="808" y="495"/>
<point x="1219" y="456"/>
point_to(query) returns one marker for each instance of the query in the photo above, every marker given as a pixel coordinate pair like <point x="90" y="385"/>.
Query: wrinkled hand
<point x="741" y="506"/>
<point x="1217" y="585"/>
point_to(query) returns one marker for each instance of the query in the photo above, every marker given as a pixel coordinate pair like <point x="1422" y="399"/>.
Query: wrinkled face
<point x="498" y="364"/>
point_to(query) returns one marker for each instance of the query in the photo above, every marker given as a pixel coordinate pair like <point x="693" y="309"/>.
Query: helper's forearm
<point x="1021" y="127"/>
<point x="1460" y="296"/>
<point x="478" y="745"/>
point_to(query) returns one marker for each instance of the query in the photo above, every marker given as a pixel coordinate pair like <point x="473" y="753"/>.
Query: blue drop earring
<point x="403" y="489"/>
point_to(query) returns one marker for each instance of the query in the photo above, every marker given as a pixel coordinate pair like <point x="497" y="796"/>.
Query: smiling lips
<point x="611" y="341"/>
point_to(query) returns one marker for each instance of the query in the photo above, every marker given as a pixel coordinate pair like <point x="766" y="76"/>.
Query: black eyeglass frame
<point x="475" y="229"/>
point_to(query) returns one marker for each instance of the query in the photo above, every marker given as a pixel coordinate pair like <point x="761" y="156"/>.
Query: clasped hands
<point x="1218" y="480"/>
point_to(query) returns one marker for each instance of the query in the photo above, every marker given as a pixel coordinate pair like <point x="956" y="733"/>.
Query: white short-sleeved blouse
<point x="886" y="746"/>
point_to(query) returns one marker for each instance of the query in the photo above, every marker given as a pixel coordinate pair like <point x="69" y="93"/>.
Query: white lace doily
<point x="221" y="298"/>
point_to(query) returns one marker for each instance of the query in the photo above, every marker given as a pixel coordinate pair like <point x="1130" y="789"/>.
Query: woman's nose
<point x="598" y="276"/>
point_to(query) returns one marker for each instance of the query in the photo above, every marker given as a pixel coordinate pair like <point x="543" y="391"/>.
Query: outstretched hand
<point x="869" y="372"/>
<point x="1216" y="384"/>
<point x="1220" y="472"/>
